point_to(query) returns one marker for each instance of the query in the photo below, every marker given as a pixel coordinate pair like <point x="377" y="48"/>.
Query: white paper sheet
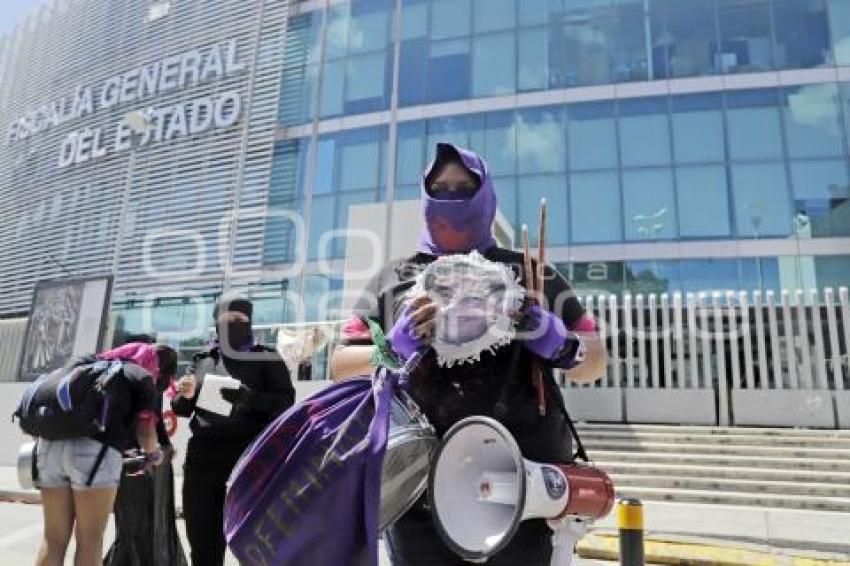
<point x="209" y="398"/>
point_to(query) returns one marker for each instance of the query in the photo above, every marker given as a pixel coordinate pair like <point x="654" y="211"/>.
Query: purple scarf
<point x="458" y="226"/>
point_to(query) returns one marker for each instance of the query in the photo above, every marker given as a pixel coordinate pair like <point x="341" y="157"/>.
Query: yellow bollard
<point x="630" y="527"/>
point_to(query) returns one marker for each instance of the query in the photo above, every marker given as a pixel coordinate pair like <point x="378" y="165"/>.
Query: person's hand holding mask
<point x="414" y="329"/>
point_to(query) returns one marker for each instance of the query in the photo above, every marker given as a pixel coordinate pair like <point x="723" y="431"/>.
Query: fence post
<point x="736" y="331"/>
<point x="640" y="333"/>
<point x="775" y="348"/>
<point x="790" y="348"/>
<point x="680" y="340"/>
<point x="820" y="355"/>
<point x="834" y="346"/>
<point x="803" y="335"/>
<point x="720" y="356"/>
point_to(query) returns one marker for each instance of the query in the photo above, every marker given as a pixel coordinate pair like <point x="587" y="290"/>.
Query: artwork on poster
<point x="67" y="318"/>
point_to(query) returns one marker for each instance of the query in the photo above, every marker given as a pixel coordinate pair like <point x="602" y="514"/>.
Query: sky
<point x="14" y="11"/>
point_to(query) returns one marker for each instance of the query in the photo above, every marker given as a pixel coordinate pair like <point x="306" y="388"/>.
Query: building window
<point x="541" y="143"/>
<point x="641" y="120"/>
<point x="410" y="154"/>
<point x="821" y="198"/>
<point x="494" y="135"/>
<point x="745" y="36"/>
<point x="753" y="123"/>
<point x="643" y="277"/>
<point x="598" y="192"/>
<point x="450" y="19"/>
<point x="812" y="121"/>
<point x="762" y="204"/>
<point x="649" y="206"/>
<point x="708" y="274"/>
<point x="358" y="58"/>
<point x="839" y="27"/>
<point x="844" y="102"/>
<point x="286" y="195"/>
<point x="453" y="129"/>
<point x="592" y="133"/>
<point x="703" y="201"/>
<point x="698" y="128"/>
<point x="533" y="59"/>
<point x="350" y="169"/>
<point x="493" y="72"/>
<point x="449" y="70"/>
<point x="413" y="70"/>
<point x="832" y="271"/>
<point x="598" y="44"/>
<point x="333" y="88"/>
<point x="684" y="38"/>
<point x="802" y="34"/>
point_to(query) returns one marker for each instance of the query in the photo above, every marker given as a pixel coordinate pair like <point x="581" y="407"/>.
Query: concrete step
<point x="716" y="430"/>
<point x="592" y="436"/>
<point x="734" y="485"/>
<point x="837" y="504"/>
<point x="722" y="449"/>
<point x="822" y="464"/>
<point x="724" y="472"/>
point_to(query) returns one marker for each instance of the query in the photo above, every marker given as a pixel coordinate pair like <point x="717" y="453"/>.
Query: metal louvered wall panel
<point x="56" y="222"/>
<point x="12" y="334"/>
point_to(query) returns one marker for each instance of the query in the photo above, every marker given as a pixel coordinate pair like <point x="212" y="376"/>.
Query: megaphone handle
<point x="410" y="365"/>
<point x="567" y="533"/>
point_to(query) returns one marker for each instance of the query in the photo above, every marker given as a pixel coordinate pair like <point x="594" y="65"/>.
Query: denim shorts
<point x="68" y="463"/>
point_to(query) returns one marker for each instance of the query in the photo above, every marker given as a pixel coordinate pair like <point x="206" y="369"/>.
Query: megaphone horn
<point x="481" y="489"/>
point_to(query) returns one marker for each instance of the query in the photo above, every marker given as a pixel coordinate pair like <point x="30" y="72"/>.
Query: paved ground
<point x="20" y="532"/>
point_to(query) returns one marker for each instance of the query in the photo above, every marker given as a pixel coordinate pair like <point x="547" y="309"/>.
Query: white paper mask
<point x="474" y="297"/>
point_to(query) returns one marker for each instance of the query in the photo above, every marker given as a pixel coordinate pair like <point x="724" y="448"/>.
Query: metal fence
<point x="726" y="358"/>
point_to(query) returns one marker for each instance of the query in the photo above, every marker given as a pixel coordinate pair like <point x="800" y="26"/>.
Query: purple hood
<point x="458" y="226"/>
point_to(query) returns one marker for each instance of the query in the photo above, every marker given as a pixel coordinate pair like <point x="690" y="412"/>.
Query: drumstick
<point x="526" y="264"/>
<point x="541" y="250"/>
<point x="537" y="371"/>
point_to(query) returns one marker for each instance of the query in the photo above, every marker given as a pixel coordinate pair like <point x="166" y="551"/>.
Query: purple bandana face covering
<point x="458" y="226"/>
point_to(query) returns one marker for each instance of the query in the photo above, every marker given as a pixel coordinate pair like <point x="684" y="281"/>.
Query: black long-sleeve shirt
<point x="448" y="394"/>
<point x="267" y="377"/>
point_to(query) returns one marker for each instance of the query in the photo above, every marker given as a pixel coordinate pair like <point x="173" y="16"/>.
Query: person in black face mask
<point x="218" y="440"/>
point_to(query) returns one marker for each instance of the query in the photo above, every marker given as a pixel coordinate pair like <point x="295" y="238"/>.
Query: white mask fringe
<point x="464" y="271"/>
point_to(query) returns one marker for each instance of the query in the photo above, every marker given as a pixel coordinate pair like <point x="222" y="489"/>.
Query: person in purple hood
<point x="459" y="206"/>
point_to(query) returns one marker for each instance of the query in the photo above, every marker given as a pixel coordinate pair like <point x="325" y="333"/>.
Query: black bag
<point x="70" y="402"/>
<point x="145" y="521"/>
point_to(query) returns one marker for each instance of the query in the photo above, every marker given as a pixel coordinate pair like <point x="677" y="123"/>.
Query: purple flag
<point x="307" y="491"/>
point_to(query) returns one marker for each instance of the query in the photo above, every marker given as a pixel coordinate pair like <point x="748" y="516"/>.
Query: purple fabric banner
<point x="307" y="491"/>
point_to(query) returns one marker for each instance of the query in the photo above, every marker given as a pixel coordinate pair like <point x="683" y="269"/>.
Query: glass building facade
<point x="682" y="145"/>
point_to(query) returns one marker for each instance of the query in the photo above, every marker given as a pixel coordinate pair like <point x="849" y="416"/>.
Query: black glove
<point x="241" y="395"/>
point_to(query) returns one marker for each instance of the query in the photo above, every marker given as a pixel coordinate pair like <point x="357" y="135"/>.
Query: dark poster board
<point x="67" y="318"/>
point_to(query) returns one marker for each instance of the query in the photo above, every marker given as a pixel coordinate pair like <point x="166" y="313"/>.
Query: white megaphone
<point x="481" y="489"/>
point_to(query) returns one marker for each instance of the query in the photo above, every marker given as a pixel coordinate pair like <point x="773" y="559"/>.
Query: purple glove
<point x="545" y="334"/>
<point x="401" y="337"/>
